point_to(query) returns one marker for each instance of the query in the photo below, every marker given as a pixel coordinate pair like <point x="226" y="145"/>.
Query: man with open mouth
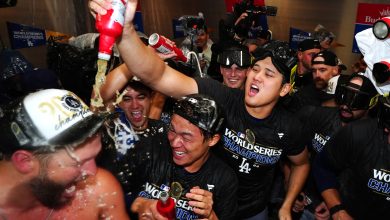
<point x="48" y="144"/>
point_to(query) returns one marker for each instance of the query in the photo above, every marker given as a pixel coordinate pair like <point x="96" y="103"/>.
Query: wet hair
<point x="138" y="86"/>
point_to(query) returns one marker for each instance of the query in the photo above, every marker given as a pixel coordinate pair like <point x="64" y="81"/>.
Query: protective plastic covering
<point x="201" y="111"/>
<point x="76" y="68"/>
<point x="12" y="63"/>
<point x="374" y="51"/>
<point x="76" y="63"/>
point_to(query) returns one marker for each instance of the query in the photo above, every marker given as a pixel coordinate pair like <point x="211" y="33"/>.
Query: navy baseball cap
<point x="309" y="44"/>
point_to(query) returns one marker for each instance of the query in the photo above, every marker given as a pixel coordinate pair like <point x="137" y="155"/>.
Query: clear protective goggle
<point x="238" y="57"/>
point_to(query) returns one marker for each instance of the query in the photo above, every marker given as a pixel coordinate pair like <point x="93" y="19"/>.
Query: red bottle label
<point x="167" y="209"/>
<point x="160" y="44"/>
<point x="110" y="26"/>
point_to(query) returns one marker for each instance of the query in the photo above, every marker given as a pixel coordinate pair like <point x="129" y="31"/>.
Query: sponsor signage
<point x="367" y="15"/>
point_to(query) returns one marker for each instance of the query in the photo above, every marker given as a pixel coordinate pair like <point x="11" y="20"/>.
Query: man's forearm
<point x="142" y="61"/>
<point x="297" y="179"/>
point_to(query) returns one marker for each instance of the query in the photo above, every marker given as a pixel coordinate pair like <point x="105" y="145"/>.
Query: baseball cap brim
<point x="46" y="120"/>
<point x="78" y="133"/>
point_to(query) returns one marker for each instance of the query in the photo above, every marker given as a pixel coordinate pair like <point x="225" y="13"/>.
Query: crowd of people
<point x="267" y="133"/>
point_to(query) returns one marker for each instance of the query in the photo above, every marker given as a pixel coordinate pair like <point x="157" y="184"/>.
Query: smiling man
<point x="202" y="185"/>
<point x="48" y="145"/>
<point x="234" y="63"/>
<point x="258" y="132"/>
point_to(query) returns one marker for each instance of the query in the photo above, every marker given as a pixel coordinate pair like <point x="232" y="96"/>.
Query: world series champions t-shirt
<point x="251" y="146"/>
<point x="320" y="124"/>
<point x="363" y="151"/>
<point x="154" y="171"/>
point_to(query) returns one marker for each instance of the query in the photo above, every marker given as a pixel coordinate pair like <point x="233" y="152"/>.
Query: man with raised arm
<point x="257" y="133"/>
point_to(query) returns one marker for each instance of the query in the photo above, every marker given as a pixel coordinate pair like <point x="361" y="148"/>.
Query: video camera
<point x="252" y="20"/>
<point x="191" y="23"/>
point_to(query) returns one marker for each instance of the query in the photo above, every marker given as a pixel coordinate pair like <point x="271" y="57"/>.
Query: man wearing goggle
<point x="234" y="62"/>
<point x="354" y="99"/>
<point x="362" y="149"/>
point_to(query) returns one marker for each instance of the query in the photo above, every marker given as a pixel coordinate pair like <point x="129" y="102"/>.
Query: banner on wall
<point x="367" y="15"/>
<point x="23" y="36"/>
<point x="296" y="36"/>
<point x="178" y="29"/>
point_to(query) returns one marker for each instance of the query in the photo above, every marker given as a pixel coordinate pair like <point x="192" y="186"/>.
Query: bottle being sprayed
<point x="163" y="46"/>
<point x="110" y="27"/>
<point x="166" y="206"/>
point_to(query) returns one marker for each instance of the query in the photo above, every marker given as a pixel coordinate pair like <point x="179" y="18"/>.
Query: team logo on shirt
<point x="380" y="182"/>
<point x="252" y="153"/>
<point x="183" y="209"/>
<point x="319" y="141"/>
<point x="250" y="136"/>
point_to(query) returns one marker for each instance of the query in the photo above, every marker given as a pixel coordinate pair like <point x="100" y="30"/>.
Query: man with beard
<point x="48" y="145"/>
<point x="355" y="97"/>
<point x="359" y="152"/>
<point x="324" y="67"/>
<point x="257" y="133"/>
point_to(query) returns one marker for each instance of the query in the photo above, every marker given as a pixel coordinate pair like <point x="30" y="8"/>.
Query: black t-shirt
<point x="298" y="81"/>
<point x="114" y="153"/>
<point x="156" y="172"/>
<point x="307" y="95"/>
<point x="362" y="149"/>
<point x="321" y="124"/>
<point x="253" y="147"/>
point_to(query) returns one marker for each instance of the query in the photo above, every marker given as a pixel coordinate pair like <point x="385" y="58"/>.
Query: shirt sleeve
<point x="221" y="93"/>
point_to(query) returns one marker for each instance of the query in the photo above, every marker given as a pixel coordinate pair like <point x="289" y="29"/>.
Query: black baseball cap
<point x="309" y="44"/>
<point x="329" y="57"/>
<point x="200" y="110"/>
<point x="46" y="120"/>
<point x="381" y="71"/>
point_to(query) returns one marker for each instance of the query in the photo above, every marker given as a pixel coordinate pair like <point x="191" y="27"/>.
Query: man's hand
<point x="99" y="7"/>
<point x="242" y="17"/>
<point x="202" y="201"/>
<point x="341" y="215"/>
<point x="146" y="209"/>
<point x="284" y="213"/>
<point x="322" y="212"/>
<point x="300" y="203"/>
